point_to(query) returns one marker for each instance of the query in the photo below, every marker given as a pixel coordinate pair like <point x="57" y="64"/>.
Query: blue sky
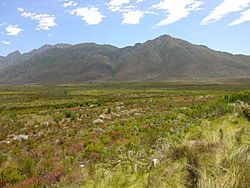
<point x="219" y="24"/>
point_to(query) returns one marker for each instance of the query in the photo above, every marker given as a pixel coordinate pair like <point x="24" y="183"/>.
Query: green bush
<point x="10" y="173"/>
<point x="58" y="117"/>
<point x="3" y="158"/>
<point x="219" y="108"/>
<point x="72" y="104"/>
<point x="93" y="147"/>
<point x="69" y="114"/>
<point x="28" y="167"/>
<point x="246" y="112"/>
<point x="243" y="96"/>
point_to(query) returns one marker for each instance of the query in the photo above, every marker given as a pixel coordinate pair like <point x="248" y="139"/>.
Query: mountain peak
<point x="13" y="54"/>
<point x="45" y="47"/>
<point x="11" y="58"/>
<point x="165" y="36"/>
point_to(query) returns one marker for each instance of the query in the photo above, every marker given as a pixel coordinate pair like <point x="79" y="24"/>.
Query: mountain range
<point x="162" y="59"/>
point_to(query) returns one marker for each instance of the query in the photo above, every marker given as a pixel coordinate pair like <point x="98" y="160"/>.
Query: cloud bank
<point x="90" y="15"/>
<point x="225" y="8"/>
<point x="13" y="30"/>
<point x="45" y="21"/>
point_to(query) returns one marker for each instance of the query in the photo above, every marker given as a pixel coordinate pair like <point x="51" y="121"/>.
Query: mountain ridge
<point x="65" y="45"/>
<point x="161" y="59"/>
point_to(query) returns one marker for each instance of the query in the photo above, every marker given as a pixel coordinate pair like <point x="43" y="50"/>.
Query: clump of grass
<point x="28" y="167"/>
<point x="10" y="173"/>
<point x="59" y="116"/>
<point x="70" y="114"/>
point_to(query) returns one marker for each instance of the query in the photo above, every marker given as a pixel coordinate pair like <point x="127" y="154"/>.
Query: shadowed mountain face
<point x="162" y="59"/>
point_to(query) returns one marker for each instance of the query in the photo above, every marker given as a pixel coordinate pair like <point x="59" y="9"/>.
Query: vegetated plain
<point x="125" y="135"/>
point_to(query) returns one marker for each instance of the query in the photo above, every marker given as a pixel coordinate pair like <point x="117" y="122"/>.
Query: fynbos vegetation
<point x="125" y="135"/>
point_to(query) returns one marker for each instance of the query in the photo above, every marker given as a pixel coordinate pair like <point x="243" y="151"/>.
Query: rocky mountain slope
<point x="162" y="59"/>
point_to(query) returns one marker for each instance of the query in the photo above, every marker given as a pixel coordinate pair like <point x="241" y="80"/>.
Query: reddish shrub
<point x="121" y="140"/>
<point x="75" y="148"/>
<point x="30" y="182"/>
<point x="94" y="156"/>
<point x="116" y="135"/>
<point x="52" y="177"/>
<point x="3" y="182"/>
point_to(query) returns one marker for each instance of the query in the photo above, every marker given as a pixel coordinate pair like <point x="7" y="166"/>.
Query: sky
<point x="222" y="25"/>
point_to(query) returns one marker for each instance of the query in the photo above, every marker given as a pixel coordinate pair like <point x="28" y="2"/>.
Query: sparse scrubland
<point x="125" y="135"/>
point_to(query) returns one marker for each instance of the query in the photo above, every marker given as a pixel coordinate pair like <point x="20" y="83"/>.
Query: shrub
<point x="44" y="166"/>
<point x="219" y="108"/>
<point x="3" y="158"/>
<point x="10" y="173"/>
<point x="52" y="177"/>
<point x="28" y="167"/>
<point x="246" y="113"/>
<point x="69" y="114"/>
<point x="29" y="183"/>
<point x="71" y="104"/>
<point x="93" y="150"/>
<point x="58" y="117"/>
<point x="243" y="96"/>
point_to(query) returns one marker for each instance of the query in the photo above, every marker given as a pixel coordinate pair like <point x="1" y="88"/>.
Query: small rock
<point x="46" y="123"/>
<point x="133" y="111"/>
<point x="98" y="121"/>
<point x="120" y="107"/>
<point x="104" y="116"/>
<point x="155" y="162"/>
<point x="137" y="114"/>
<point x="36" y="126"/>
<point x="91" y="106"/>
<point x="7" y="142"/>
<point x="59" y="141"/>
<point x="115" y="114"/>
<point x="82" y="165"/>
<point x="20" y="137"/>
<point x="65" y="120"/>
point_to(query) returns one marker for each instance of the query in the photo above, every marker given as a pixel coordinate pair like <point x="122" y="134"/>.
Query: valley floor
<point x="125" y="135"/>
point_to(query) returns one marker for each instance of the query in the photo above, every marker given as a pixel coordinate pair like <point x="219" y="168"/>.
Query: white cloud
<point x="69" y="4"/>
<point x="225" y="8"/>
<point x="13" y="30"/>
<point x="245" y="17"/>
<point x="45" y="21"/>
<point x="177" y="9"/>
<point x="20" y="9"/>
<point x="5" y="42"/>
<point x="90" y="15"/>
<point x="132" y="17"/>
<point x="116" y="5"/>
